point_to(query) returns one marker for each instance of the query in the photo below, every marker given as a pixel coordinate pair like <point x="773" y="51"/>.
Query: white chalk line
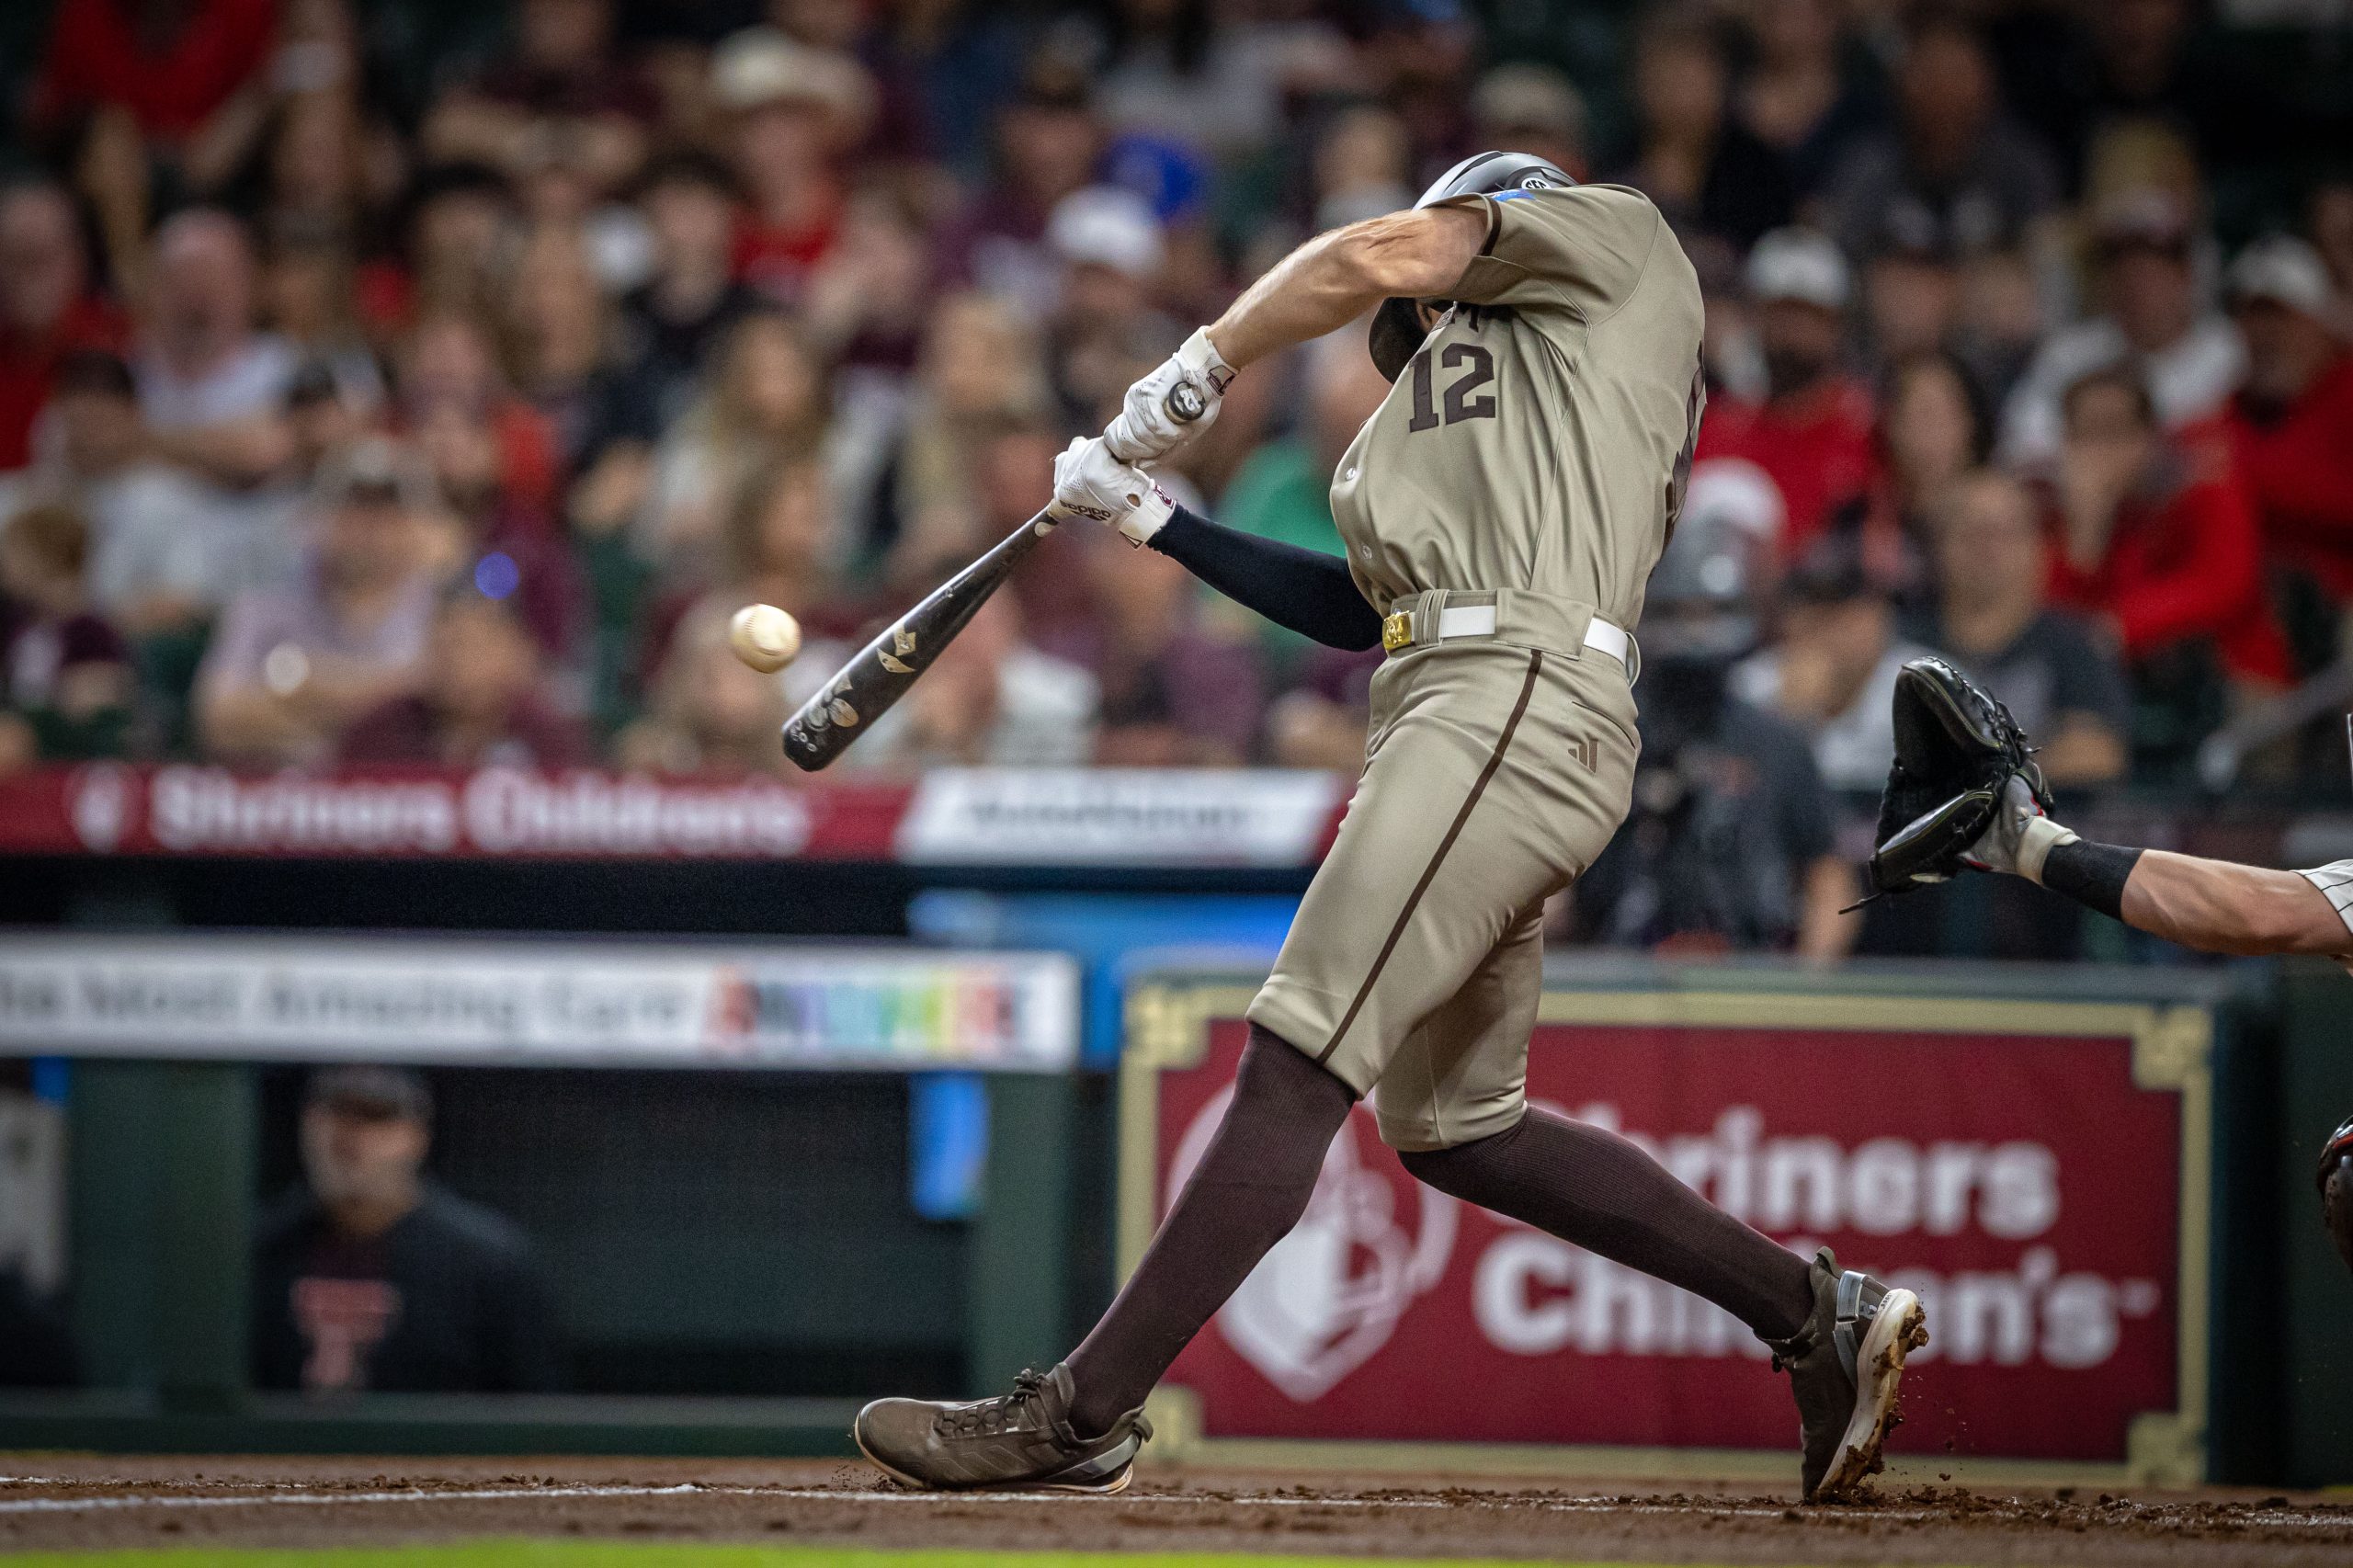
<point x="2274" y="1517"/>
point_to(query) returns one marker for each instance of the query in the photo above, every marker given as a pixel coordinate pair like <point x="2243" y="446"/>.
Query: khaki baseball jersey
<point x="1539" y="438"/>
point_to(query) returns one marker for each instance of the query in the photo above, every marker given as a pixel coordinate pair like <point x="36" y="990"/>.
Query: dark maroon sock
<point x="1250" y="1188"/>
<point x="1595" y="1190"/>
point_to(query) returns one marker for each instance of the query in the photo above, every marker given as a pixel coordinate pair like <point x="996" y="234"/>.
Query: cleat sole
<point x="1900" y="1328"/>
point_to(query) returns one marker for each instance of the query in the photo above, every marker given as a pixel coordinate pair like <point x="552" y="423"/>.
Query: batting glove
<point x="1090" y="482"/>
<point x="1146" y="429"/>
<point x="2021" y="837"/>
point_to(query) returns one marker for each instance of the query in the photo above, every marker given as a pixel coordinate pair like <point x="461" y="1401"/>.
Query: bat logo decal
<point x="842" y="712"/>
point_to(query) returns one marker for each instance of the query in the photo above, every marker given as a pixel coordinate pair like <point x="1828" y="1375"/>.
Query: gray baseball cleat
<point x="1022" y="1442"/>
<point x="1844" y="1366"/>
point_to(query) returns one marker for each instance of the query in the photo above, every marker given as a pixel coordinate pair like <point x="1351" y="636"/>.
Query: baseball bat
<point x="863" y="690"/>
<point x="865" y="687"/>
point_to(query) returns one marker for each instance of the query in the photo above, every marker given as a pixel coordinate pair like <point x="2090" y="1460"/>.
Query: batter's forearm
<point x="1338" y="276"/>
<point x="1305" y="590"/>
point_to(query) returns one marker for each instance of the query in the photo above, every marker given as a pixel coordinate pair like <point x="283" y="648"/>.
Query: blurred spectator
<point x="2292" y="423"/>
<point x="1951" y="154"/>
<point x="454" y="240"/>
<point x="64" y="671"/>
<point x="1798" y="96"/>
<point x="210" y="384"/>
<point x="1169" y="69"/>
<point x="47" y="308"/>
<point x="170" y="66"/>
<point x="670" y="325"/>
<point x="2157" y="538"/>
<point x="1048" y="142"/>
<point x="290" y="669"/>
<point x="1832" y="672"/>
<point x="558" y="340"/>
<point x="793" y="113"/>
<point x="989" y="699"/>
<point x="2151" y="317"/>
<point x="371" y="1278"/>
<point x="981" y="371"/>
<point x="153" y="556"/>
<point x="1933" y="428"/>
<point x="1180" y="681"/>
<point x="780" y="545"/>
<point x="1532" y="109"/>
<point x="563" y="92"/>
<point x="1994" y="619"/>
<point x="1707" y="172"/>
<point x="1812" y="433"/>
<point x="307" y="296"/>
<point x="1730" y="845"/>
<point x="478" y="705"/>
<point x="765" y="396"/>
<point x="1364" y="160"/>
<point x="492" y="453"/>
<point x="1105" y="332"/>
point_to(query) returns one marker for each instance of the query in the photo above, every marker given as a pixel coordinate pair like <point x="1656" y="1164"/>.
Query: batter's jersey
<point x="1540" y="436"/>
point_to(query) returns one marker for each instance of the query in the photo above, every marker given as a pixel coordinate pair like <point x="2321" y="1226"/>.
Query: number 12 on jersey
<point x="1463" y="398"/>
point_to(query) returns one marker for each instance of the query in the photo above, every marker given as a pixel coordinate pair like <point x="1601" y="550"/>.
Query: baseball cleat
<point x="1022" y="1442"/>
<point x="1844" y="1366"/>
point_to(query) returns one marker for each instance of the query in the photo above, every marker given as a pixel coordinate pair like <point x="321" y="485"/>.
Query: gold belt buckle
<point x="1397" y="631"/>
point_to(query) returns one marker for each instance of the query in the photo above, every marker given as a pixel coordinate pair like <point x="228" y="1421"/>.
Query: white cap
<point x="1106" y="225"/>
<point x="1737" y="493"/>
<point x="1798" y="264"/>
<point x="2283" y="269"/>
<point x="760" y="65"/>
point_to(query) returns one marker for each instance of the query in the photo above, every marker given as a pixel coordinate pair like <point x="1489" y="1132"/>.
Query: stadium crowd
<point x="426" y="383"/>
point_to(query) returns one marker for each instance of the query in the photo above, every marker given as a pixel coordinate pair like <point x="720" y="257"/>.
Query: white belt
<point x="1479" y="621"/>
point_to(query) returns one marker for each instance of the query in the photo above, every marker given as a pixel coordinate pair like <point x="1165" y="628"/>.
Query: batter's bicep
<point x="1583" y="248"/>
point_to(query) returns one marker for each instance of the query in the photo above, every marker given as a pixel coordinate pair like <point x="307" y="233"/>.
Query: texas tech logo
<point x="1329" y="1295"/>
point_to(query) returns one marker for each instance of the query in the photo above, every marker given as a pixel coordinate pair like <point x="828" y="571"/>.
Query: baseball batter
<point x="1501" y="512"/>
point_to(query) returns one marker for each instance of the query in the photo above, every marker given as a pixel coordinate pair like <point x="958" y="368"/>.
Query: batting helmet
<point x="1396" y="329"/>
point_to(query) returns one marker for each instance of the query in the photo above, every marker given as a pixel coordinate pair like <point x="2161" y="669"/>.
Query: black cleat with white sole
<point x="1022" y="1442"/>
<point x="1844" y="1366"/>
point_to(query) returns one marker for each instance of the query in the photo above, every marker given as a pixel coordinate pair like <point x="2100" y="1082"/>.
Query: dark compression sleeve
<point x="2092" y="874"/>
<point x="1305" y="590"/>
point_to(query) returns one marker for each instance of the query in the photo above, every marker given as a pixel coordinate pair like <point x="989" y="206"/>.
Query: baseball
<point x="764" y="637"/>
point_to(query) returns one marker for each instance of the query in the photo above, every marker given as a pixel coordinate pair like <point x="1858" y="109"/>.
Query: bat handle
<point x="1184" y="402"/>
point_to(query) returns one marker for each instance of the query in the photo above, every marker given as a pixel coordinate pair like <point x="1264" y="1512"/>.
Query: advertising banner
<point x="518" y="1004"/>
<point x="1076" y="816"/>
<point x="1970" y="1150"/>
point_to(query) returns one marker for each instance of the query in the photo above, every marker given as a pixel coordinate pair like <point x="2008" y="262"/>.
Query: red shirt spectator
<point x="2159" y="539"/>
<point x="2298" y="468"/>
<point x="171" y="79"/>
<point x="2291" y="424"/>
<point x="1816" y="447"/>
<point x="46" y="309"/>
<point x="1812" y="434"/>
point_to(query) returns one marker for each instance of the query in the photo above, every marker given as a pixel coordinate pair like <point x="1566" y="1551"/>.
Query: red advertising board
<point x="952" y="816"/>
<point x="2035" y="1170"/>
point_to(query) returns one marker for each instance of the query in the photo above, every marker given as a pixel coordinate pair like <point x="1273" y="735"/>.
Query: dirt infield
<point x="52" y="1503"/>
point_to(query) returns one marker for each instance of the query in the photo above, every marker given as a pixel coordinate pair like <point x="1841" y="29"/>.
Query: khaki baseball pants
<point x="1495" y="771"/>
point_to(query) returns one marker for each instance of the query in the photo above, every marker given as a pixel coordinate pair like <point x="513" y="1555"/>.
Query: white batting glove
<point x="1090" y="482"/>
<point x="1144" y="430"/>
<point x="2021" y="837"/>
